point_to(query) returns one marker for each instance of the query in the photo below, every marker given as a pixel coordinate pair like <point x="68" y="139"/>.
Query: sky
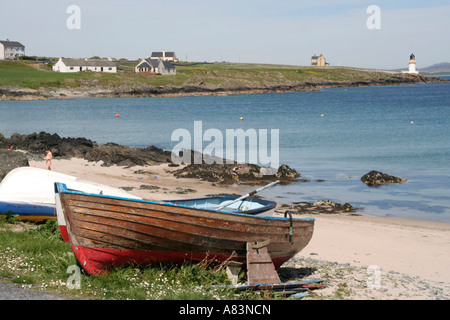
<point x="285" y="32"/>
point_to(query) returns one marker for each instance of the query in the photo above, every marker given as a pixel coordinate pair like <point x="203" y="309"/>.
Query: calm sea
<point x="336" y="135"/>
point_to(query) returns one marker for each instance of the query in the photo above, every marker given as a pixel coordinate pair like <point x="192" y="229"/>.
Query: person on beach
<point x="11" y="147"/>
<point x="236" y="175"/>
<point x="48" y="158"/>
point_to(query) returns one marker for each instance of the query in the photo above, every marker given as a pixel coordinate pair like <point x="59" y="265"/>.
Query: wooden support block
<point x="260" y="268"/>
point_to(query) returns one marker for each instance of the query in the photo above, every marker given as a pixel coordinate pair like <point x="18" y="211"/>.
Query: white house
<point x="155" y="66"/>
<point x="76" y="65"/>
<point x="165" y="56"/>
<point x="11" y="49"/>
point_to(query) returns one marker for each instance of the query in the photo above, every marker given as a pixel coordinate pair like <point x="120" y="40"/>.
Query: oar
<point x="248" y="195"/>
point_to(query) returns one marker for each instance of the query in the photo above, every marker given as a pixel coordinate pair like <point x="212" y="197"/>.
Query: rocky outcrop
<point x="286" y="174"/>
<point x="248" y="173"/>
<point x="111" y="154"/>
<point x="10" y="160"/>
<point x="35" y="144"/>
<point x="318" y="207"/>
<point x="114" y="154"/>
<point x="376" y="178"/>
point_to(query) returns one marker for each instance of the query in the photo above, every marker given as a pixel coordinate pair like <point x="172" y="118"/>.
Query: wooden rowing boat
<point x="106" y="231"/>
<point x="248" y="206"/>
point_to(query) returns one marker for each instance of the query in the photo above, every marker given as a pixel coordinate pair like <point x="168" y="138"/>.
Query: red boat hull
<point x="97" y="261"/>
<point x="64" y="234"/>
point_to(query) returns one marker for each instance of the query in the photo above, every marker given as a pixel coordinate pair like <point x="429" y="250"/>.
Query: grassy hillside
<point x="36" y="76"/>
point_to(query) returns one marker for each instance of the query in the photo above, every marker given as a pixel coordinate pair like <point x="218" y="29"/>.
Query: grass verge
<point x="35" y="76"/>
<point x="37" y="258"/>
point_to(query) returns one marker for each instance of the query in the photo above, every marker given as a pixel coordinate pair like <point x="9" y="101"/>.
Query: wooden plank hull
<point x="109" y="231"/>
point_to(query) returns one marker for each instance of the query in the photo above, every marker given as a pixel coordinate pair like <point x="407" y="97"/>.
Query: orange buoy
<point x="117" y="115"/>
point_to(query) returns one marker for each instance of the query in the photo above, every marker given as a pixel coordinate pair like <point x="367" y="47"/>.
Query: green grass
<point x="39" y="259"/>
<point x="25" y="74"/>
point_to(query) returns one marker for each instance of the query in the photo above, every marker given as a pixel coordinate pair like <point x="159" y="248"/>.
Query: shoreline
<point x="412" y="247"/>
<point x="8" y="93"/>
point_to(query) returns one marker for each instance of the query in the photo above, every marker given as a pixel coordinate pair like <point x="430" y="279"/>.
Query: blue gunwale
<point x="61" y="188"/>
<point x="27" y="209"/>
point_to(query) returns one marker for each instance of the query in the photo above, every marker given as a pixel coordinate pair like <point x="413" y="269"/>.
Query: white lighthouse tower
<point x="412" y="65"/>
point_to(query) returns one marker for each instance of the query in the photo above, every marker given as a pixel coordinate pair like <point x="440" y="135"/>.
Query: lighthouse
<point x="412" y="65"/>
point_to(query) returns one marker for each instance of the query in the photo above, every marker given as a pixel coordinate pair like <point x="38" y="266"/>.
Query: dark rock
<point x="322" y="206"/>
<point x="248" y="173"/>
<point x="114" y="154"/>
<point x="180" y="190"/>
<point x="220" y="170"/>
<point x="221" y="173"/>
<point x="286" y="174"/>
<point x="148" y="187"/>
<point x="127" y="188"/>
<point x="376" y="178"/>
<point x="73" y="147"/>
<point x="10" y="160"/>
<point x="34" y="144"/>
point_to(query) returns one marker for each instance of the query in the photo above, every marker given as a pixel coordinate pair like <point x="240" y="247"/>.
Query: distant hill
<point x="437" y="68"/>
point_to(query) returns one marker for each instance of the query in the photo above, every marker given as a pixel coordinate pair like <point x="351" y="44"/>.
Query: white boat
<point x="30" y="193"/>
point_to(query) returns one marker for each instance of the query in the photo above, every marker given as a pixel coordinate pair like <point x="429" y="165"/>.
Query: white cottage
<point x="76" y="65"/>
<point x="164" y="56"/>
<point x="11" y="49"/>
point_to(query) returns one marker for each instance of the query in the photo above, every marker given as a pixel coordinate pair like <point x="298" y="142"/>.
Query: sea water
<point x="332" y="137"/>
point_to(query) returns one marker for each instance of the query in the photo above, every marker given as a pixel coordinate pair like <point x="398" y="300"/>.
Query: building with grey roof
<point x="155" y="66"/>
<point x="76" y="65"/>
<point x="11" y="49"/>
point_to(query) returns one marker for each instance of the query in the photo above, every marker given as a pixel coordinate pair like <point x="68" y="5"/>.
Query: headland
<point x="27" y="81"/>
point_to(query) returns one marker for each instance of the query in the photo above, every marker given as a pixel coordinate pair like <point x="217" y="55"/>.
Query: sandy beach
<point x="407" y="252"/>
